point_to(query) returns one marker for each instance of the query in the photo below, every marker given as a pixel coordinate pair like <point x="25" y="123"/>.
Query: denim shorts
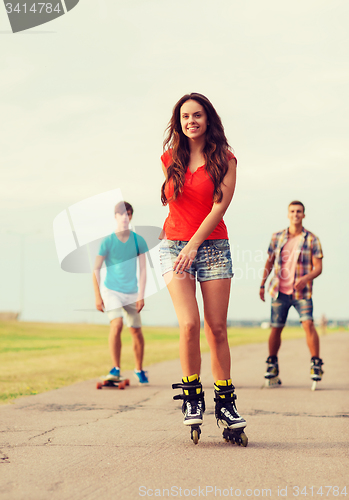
<point x="281" y="305"/>
<point x="212" y="261"/>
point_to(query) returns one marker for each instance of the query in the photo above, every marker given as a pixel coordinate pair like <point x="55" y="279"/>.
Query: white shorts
<point x="118" y="305"/>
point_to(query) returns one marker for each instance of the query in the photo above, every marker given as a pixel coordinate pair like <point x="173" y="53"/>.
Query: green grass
<point x="38" y="357"/>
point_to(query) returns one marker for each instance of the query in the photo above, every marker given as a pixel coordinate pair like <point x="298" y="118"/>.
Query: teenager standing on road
<point x="200" y="172"/>
<point x="296" y="256"/>
<point x="121" y="295"/>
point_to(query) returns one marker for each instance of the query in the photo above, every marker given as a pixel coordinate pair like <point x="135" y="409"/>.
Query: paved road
<point x="80" y="443"/>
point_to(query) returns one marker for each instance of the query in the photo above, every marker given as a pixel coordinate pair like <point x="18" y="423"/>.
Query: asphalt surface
<point x="82" y="443"/>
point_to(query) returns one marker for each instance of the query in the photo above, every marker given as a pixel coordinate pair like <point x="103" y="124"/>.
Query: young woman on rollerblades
<point x="200" y="176"/>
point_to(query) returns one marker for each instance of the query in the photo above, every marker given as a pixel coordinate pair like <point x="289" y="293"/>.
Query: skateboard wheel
<point x="127" y="381"/>
<point x="99" y="385"/>
<point x="122" y="385"/>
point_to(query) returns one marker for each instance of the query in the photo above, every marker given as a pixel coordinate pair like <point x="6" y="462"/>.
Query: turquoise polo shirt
<point x="121" y="261"/>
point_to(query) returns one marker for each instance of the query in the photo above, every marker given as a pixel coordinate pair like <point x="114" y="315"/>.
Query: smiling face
<point x="193" y="120"/>
<point x="296" y="214"/>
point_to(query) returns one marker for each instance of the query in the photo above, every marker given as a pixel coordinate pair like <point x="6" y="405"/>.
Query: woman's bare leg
<point x="182" y="289"/>
<point x="216" y="299"/>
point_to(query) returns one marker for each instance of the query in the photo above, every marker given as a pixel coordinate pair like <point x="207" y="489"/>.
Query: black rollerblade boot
<point x="316" y="371"/>
<point x="226" y="413"/>
<point x="272" y="374"/>
<point x="193" y="404"/>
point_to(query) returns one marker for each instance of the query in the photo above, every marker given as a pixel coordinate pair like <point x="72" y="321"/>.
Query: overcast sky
<point x="85" y="100"/>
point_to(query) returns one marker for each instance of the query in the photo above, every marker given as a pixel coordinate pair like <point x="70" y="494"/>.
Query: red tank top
<point x="192" y="206"/>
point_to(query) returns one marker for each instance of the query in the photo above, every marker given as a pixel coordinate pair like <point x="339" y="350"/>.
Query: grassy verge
<point x="38" y="357"/>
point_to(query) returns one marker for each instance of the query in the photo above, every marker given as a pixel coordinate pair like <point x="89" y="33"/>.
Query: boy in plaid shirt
<point x="296" y="256"/>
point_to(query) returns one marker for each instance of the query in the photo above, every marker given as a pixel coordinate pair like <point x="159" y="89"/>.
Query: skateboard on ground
<point x="118" y="384"/>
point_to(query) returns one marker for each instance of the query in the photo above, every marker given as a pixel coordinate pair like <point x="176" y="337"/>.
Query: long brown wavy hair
<point x="215" y="150"/>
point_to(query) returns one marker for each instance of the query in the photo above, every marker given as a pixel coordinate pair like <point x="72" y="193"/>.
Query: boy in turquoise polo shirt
<point x="121" y="296"/>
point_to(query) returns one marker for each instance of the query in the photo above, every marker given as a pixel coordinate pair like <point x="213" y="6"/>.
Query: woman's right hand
<point x="185" y="258"/>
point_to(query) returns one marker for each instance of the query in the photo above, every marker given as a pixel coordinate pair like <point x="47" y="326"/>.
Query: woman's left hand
<point x="185" y="258"/>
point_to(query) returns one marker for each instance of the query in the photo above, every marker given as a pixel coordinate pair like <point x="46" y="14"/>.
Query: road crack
<point x="4" y="459"/>
<point x="294" y="414"/>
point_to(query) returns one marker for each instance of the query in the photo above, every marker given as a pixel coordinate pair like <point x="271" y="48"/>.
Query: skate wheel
<point x="195" y="433"/>
<point x="226" y="436"/>
<point x="313" y="386"/>
<point x="243" y="440"/>
<point x="272" y="382"/>
<point x="127" y="382"/>
<point x="122" y="385"/>
<point x="99" y="385"/>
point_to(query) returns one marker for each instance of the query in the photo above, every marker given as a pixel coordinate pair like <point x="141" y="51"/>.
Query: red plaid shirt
<point x="309" y="247"/>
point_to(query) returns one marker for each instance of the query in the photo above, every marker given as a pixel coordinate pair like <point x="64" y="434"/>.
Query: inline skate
<point x="227" y="415"/>
<point x="316" y="371"/>
<point x="272" y="374"/>
<point x="193" y="404"/>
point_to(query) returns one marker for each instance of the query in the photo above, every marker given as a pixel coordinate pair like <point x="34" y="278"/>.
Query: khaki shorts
<point x="121" y="305"/>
